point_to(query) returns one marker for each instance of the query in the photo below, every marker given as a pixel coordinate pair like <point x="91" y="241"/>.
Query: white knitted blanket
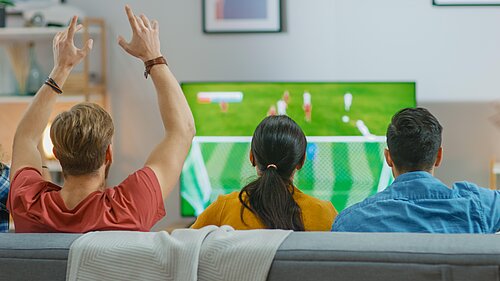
<point x="211" y="253"/>
<point x="239" y="255"/>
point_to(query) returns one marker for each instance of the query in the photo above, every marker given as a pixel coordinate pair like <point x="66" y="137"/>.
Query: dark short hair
<point x="414" y="139"/>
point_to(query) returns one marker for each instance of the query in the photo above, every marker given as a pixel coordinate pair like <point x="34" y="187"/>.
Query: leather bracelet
<point x="51" y="83"/>
<point x="150" y="63"/>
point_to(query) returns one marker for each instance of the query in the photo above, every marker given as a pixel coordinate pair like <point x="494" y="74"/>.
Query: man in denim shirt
<point x="417" y="201"/>
<point x="4" y="192"/>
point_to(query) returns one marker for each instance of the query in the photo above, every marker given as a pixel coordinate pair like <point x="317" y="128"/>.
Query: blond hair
<point x="81" y="137"/>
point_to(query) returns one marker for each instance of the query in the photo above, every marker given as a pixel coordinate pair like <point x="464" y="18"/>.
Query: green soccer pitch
<point x="342" y="165"/>
<point x="374" y="103"/>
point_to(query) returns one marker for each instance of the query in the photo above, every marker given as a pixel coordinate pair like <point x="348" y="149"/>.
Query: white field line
<point x="309" y="139"/>
<point x="386" y="173"/>
<point x="362" y="178"/>
<point x="323" y="183"/>
<point x="385" y="177"/>
<point x="215" y="166"/>
<point x="201" y="171"/>
<point x="193" y="198"/>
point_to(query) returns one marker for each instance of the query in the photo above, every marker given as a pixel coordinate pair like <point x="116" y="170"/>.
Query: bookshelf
<point x="81" y="86"/>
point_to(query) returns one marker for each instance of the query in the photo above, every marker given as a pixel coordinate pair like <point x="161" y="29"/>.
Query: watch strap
<point x="150" y="63"/>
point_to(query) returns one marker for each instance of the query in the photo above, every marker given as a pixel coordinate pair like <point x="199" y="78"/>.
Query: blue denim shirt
<point x="418" y="202"/>
<point x="4" y="193"/>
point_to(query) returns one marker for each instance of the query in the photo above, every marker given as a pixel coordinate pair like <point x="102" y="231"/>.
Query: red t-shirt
<point x="37" y="206"/>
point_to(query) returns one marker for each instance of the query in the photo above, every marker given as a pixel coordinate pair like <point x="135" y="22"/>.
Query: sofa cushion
<point x="387" y="256"/>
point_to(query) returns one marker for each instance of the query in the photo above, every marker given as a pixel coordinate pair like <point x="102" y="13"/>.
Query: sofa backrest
<point x="387" y="256"/>
<point x="34" y="256"/>
<point x="304" y="256"/>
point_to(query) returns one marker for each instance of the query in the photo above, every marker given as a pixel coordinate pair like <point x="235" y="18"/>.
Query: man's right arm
<point x="167" y="159"/>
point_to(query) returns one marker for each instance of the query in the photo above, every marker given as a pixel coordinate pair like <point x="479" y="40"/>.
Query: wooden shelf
<point x="26" y="34"/>
<point x="78" y="88"/>
<point x="28" y="99"/>
<point x="65" y="98"/>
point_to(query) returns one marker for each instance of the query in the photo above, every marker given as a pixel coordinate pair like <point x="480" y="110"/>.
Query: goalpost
<point x="344" y="170"/>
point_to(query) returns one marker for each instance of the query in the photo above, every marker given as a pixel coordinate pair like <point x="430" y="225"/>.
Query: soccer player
<point x="347" y="101"/>
<point x="286" y="97"/>
<point x="363" y="128"/>
<point x="271" y="111"/>
<point x="281" y="107"/>
<point x="307" y="106"/>
<point x="224" y="106"/>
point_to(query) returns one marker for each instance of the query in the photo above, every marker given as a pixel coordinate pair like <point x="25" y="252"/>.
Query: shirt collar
<point x="412" y="176"/>
<point x="418" y="184"/>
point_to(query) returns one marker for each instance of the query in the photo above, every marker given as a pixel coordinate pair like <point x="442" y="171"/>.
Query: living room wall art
<point x="241" y="16"/>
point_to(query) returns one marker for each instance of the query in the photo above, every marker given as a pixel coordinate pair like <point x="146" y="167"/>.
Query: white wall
<point x="452" y="53"/>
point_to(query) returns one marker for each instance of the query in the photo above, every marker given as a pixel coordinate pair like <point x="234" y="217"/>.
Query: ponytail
<point x="270" y="198"/>
<point x="278" y="148"/>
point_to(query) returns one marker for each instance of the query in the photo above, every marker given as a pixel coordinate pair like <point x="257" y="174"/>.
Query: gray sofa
<point x="304" y="256"/>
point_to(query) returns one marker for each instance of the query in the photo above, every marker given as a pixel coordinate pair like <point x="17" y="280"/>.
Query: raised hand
<point x="145" y="43"/>
<point x="66" y="54"/>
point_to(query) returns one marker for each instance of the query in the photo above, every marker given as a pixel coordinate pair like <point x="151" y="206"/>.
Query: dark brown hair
<point x="278" y="148"/>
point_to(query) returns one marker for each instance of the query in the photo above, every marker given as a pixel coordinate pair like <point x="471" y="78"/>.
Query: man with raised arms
<point x="82" y="144"/>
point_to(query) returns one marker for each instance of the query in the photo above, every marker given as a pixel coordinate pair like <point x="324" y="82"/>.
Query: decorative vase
<point x="8" y="82"/>
<point x="35" y="75"/>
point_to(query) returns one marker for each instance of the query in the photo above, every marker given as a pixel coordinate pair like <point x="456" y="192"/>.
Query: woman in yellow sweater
<point x="278" y="150"/>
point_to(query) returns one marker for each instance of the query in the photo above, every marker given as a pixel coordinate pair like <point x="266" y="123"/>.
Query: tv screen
<point x="345" y="124"/>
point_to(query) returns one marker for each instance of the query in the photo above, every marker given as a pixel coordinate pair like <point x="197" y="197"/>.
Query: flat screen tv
<point x="345" y="124"/>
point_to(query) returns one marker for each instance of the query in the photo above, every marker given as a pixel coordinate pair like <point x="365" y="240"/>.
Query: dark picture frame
<point x="458" y="3"/>
<point x="242" y="16"/>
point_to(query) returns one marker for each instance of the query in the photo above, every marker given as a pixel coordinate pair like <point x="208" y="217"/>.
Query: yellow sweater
<point x="317" y="215"/>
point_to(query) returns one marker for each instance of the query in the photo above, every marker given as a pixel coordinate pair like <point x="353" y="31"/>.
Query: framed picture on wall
<point x="241" y="16"/>
<point x="466" y="2"/>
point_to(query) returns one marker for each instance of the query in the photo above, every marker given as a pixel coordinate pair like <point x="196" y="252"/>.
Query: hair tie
<point x="272" y="166"/>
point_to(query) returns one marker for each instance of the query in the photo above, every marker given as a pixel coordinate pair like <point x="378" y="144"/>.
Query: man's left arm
<point x="29" y="131"/>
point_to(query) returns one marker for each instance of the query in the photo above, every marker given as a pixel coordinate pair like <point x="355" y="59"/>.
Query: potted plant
<point x="3" y="14"/>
